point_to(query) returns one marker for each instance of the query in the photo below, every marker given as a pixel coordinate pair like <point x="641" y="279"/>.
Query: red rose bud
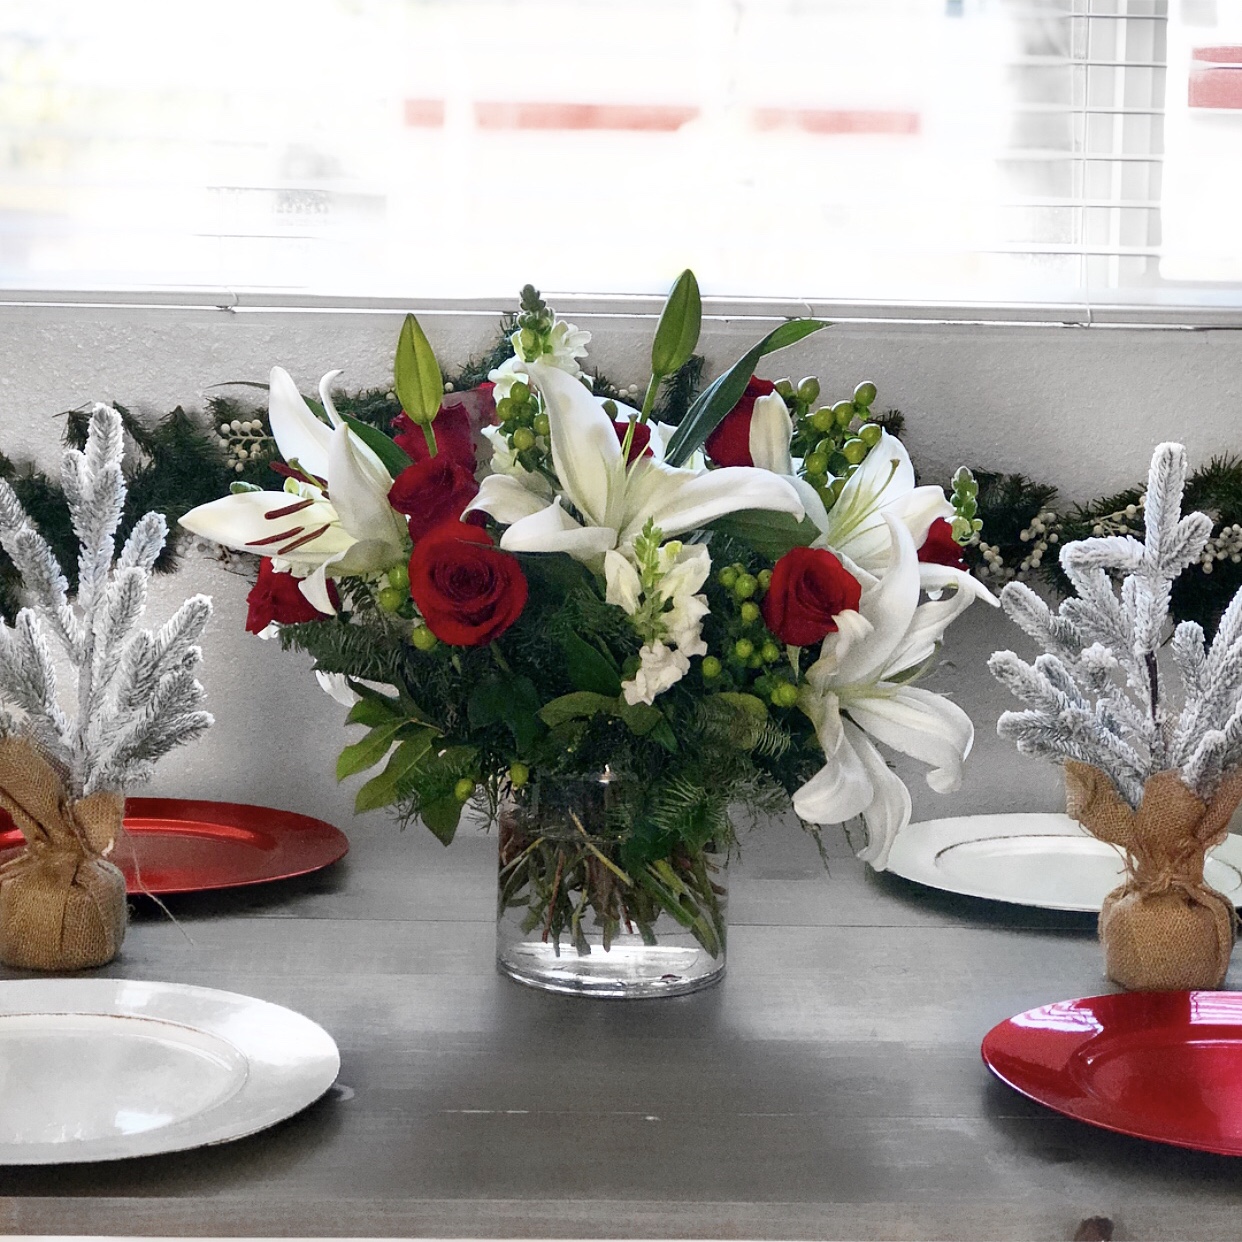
<point x="432" y="491"/>
<point x="729" y="444"/>
<point x="809" y="588"/>
<point x="640" y="442"/>
<point x="276" y="597"/>
<point x="453" y="431"/>
<point x="468" y="591"/>
<point x="940" y="548"/>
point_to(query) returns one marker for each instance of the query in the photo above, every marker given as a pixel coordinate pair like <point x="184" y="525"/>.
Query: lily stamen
<point x="288" y="509"/>
<point x="284" y="534"/>
<point x="305" y="539"/>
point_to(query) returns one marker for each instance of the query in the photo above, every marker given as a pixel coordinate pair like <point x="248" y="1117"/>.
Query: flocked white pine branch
<point x="1100" y="694"/>
<point x="137" y="694"/>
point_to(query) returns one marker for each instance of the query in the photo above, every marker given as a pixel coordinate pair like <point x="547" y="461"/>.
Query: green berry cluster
<point x="832" y="440"/>
<point x="752" y="654"/>
<point x="524" y="425"/>
<point x="535" y="320"/>
<point x="965" y="504"/>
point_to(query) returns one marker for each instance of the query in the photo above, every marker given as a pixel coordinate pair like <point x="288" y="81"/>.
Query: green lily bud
<point x="416" y="374"/>
<point x="677" y="333"/>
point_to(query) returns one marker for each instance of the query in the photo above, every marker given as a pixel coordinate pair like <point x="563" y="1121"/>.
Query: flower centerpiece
<point x="609" y="630"/>
<point x="1151" y="766"/>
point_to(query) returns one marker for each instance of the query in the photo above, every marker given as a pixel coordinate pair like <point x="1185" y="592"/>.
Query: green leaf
<point x="441" y="815"/>
<point x="372" y="712"/>
<point x="768" y="533"/>
<point x="386" y="788"/>
<point x="677" y="333"/>
<point x="392" y="456"/>
<point x="588" y="668"/>
<point x="369" y="751"/>
<point x="574" y="706"/>
<point x="720" y="396"/>
<point x="640" y="718"/>
<point x="419" y="384"/>
<point x="511" y="700"/>
<point x="663" y="733"/>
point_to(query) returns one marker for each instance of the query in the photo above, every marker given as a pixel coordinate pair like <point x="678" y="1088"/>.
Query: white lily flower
<point x="881" y="487"/>
<point x="771" y="430"/>
<point x="565" y="345"/>
<point x="337" y="517"/>
<point x="853" y="693"/>
<point x="614" y="500"/>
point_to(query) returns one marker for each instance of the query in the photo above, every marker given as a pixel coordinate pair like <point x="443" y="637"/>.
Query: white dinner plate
<point x="99" y="1069"/>
<point x="1048" y="861"/>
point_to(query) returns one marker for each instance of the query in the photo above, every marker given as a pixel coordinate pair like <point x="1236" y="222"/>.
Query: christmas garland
<point x="183" y="460"/>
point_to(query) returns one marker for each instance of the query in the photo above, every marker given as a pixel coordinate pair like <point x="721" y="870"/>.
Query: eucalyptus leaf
<point x="389" y="785"/>
<point x="677" y="333"/>
<point x="419" y="384"/>
<point x="720" y="396"/>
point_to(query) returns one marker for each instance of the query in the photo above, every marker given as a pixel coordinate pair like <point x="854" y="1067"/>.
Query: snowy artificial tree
<point x="1153" y="761"/>
<point x="62" y="775"/>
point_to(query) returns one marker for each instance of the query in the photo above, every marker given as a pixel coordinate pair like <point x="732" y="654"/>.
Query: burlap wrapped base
<point x="62" y="904"/>
<point x="1164" y="928"/>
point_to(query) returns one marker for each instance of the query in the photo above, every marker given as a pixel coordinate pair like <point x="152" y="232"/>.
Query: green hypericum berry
<point x="743" y="649"/>
<point x="817" y="480"/>
<point x="785" y="695"/>
<point x="712" y="668"/>
<point x="864" y="394"/>
<point x="520" y="393"/>
<point x="770" y="652"/>
<point x="523" y="439"/>
<point x="506" y="407"/>
<point x="827" y="446"/>
<point x="541" y="426"/>
<point x="785" y="388"/>
<point x="815" y="463"/>
<point x="727" y="577"/>
<point x="519" y="774"/>
<point x="968" y="508"/>
<point x="463" y="789"/>
<point x="822" y="420"/>
<point x="750" y="612"/>
<point x="423" y="639"/>
<point x="755" y="661"/>
<point x="399" y="576"/>
<point x="838" y="464"/>
<point x="870" y="433"/>
<point x="808" y="390"/>
<point x="765" y="578"/>
<point x="836" y="487"/>
<point x="391" y="598"/>
<point x="854" y="450"/>
<point x="844" y="413"/>
<point x="745" y="586"/>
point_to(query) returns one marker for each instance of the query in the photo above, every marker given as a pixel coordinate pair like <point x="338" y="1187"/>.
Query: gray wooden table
<point x="829" y="1088"/>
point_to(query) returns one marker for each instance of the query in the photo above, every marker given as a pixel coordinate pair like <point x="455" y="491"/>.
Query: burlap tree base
<point x="62" y="904"/>
<point x="1164" y="928"/>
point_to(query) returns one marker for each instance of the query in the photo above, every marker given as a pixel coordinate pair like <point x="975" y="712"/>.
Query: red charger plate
<point x="182" y="846"/>
<point x="1165" y="1066"/>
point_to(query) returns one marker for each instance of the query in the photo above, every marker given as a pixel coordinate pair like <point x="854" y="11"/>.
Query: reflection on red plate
<point x="1157" y="1065"/>
<point x="173" y="845"/>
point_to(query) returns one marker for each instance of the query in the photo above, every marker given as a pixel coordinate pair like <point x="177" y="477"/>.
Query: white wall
<point x="1082" y="407"/>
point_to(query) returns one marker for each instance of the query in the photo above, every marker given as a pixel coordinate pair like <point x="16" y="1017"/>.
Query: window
<point x="864" y="150"/>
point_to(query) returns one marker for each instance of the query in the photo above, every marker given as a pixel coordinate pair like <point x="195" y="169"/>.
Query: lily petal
<point x="842" y="788"/>
<point x="507" y="499"/>
<point x="936" y="577"/>
<point x="586" y="453"/>
<point x="771" y="430"/>
<point x="360" y="497"/>
<point x="925" y="726"/>
<point x="927" y="625"/>
<point x="241" y="521"/>
<point x="553" y="530"/>
<point x="298" y="433"/>
<point x="680" y="500"/>
<point x="889" y="810"/>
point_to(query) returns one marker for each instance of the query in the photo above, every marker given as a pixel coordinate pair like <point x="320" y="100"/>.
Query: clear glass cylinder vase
<point x="585" y="908"/>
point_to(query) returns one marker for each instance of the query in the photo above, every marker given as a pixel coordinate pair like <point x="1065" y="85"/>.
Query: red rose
<point x="454" y="436"/>
<point x="940" y="548"/>
<point x="275" y="597"/>
<point x="640" y="444"/>
<point x="729" y="444"/>
<point x="468" y="590"/>
<point x="809" y="588"/>
<point x="432" y="491"/>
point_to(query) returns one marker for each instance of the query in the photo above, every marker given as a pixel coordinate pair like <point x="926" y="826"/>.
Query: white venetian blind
<point x="945" y="151"/>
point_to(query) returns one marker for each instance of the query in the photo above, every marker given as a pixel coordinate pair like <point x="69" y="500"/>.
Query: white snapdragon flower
<point x="659" y="668"/>
<point x="657" y="586"/>
<point x="562" y="347"/>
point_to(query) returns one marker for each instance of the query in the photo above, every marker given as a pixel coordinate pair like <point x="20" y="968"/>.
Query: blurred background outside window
<point x="945" y="151"/>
